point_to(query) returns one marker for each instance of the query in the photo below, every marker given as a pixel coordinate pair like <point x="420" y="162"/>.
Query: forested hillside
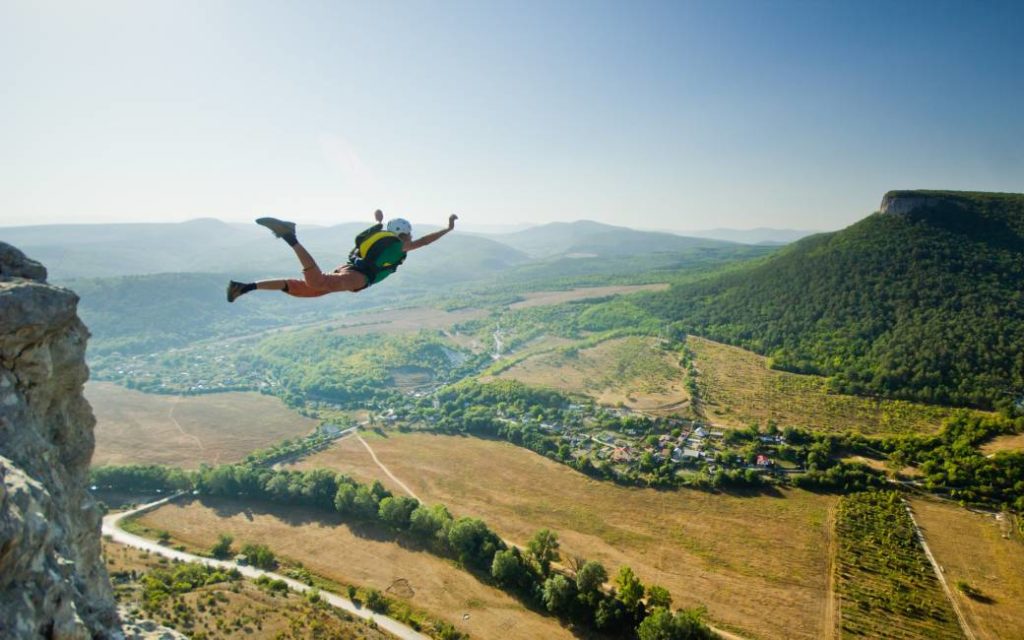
<point x="925" y="305"/>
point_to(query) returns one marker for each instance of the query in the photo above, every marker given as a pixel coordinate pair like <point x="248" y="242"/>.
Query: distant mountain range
<point x="760" y="235"/>
<point x="923" y="300"/>
<point x="211" y="246"/>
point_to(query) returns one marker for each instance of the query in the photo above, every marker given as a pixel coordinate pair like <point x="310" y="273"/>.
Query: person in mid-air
<point x="378" y="253"/>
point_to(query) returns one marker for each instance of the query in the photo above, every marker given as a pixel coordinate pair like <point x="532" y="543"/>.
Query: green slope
<point x="924" y="305"/>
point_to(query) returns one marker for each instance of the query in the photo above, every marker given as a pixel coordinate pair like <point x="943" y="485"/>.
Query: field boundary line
<point x="386" y="470"/>
<point x="968" y="633"/>
<point x="833" y="599"/>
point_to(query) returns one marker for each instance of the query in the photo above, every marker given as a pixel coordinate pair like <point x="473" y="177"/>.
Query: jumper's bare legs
<point x="314" y="281"/>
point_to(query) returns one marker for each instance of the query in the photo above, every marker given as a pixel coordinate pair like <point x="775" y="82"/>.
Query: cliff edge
<point x="53" y="583"/>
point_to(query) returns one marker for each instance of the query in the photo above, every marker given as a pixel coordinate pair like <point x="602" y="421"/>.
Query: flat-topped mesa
<point x="904" y="202"/>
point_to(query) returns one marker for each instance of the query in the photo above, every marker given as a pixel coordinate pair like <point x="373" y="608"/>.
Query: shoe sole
<point x="278" y="227"/>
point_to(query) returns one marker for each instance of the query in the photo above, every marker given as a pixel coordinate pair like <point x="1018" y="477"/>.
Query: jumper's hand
<point x="451" y="221"/>
<point x="378" y="215"/>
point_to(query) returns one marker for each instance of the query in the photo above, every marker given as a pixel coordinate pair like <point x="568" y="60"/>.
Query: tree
<point x="222" y="549"/>
<point x="558" y="593"/>
<point x="544" y="549"/>
<point x="610" y="615"/>
<point x="590" y="580"/>
<point x="344" y="498"/>
<point x="430" y="523"/>
<point x="260" y="556"/>
<point x="473" y="541"/>
<point x="507" y="568"/>
<point x="658" y="597"/>
<point x="684" y="625"/>
<point x="397" y="512"/>
<point x="365" y="504"/>
<point x="631" y="590"/>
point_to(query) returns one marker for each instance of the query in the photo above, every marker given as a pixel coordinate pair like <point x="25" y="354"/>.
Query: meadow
<point x="229" y="609"/>
<point x="737" y="387"/>
<point x="634" y="371"/>
<point x="697" y="545"/>
<point x="359" y="554"/>
<point x="1013" y="442"/>
<point x="985" y="552"/>
<point x="185" y="431"/>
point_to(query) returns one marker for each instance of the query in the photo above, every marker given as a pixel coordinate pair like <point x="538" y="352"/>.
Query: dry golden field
<point x="1004" y="443"/>
<point x="220" y="612"/>
<point x="540" y="298"/>
<point x="759" y="563"/>
<point x="362" y="555"/>
<point x="140" y="428"/>
<point x="635" y="371"/>
<point x="986" y="553"/>
<point x="737" y="388"/>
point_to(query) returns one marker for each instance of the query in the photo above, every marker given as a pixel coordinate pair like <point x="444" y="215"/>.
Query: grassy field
<point x="136" y="427"/>
<point x="737" y="388"/>
<point x="759" y="563"/>
<point x="362" y="555"/>
<point x="635" y="371"/>
<point x="885" y="584"/>
<point x="231" y="610"/>
<point x="540" y="298"/>
<point x="1004" y="443"/>
<point x="984" y="552"/>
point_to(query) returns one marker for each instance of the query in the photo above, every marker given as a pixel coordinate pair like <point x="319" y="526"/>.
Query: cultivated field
<point x="362" y="555"/>
<point x="885" y="584"/>
<point x="140" y="428"/>
<point x="218" y="611"/>
<point x="635" y="371"/>
<point x="1004" y="443"/>
<point x="984" y="552"/>
<point x="737" y="388"/>
<point x="759" y="563"/>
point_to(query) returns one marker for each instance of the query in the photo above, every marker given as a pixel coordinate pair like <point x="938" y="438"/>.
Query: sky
<point x="674" y="115"/>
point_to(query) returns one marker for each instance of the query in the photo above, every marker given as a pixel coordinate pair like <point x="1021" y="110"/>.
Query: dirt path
<point x="968" y="633"/>
<point x="833" y="610"/>
<point x="170" y="415"/>
<point x="112" y="528"/>
<point x="386" y="470"/>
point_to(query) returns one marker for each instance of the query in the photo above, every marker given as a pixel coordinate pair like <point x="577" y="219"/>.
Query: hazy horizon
<point x="681" y="116"/>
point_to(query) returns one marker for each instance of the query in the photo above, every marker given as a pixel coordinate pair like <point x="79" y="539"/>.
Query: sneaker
<point x="280" y="228"/>
<point x="235" y="289"/>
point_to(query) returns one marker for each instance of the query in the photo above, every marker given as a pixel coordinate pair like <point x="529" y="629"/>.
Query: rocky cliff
<point x="52" y="580"/>
<point x="904" y="202"/>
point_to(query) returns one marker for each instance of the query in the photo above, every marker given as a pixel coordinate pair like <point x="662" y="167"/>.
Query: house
<point x="621" y="454"/>
<point x="764" y="461"/>
<point x="700" y="432"/>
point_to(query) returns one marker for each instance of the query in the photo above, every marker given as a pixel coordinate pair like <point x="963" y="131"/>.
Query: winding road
<point x="111" y="528"/>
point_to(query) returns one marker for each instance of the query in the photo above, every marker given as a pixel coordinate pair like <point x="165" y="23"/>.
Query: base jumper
<point x="378" y="253"/>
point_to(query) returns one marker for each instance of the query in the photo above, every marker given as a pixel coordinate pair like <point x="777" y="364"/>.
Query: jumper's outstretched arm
<point x="431" y="237"/>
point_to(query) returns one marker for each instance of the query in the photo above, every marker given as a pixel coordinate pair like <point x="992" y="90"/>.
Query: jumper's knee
<point x="315" y="278"/>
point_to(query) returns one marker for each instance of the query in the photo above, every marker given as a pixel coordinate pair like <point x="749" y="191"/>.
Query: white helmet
<point x="400" y="226"/>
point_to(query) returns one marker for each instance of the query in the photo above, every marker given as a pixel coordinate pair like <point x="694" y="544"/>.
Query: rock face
<point x="904" y="202"/>
<point x="53" y="583"/>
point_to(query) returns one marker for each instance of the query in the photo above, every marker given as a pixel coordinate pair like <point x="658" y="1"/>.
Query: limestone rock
<point x="53" y="583"/>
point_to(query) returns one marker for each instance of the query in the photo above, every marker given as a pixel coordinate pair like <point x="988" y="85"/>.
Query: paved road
<point x="111" y="528"/>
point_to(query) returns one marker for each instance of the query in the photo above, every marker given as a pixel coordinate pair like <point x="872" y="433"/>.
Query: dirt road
<point x="111" y="528"/>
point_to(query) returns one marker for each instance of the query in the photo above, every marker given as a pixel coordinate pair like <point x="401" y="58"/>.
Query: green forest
<point x="924" y="306"/>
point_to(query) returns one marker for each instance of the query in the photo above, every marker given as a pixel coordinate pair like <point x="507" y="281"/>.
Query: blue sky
<point x="677" y="115"/>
